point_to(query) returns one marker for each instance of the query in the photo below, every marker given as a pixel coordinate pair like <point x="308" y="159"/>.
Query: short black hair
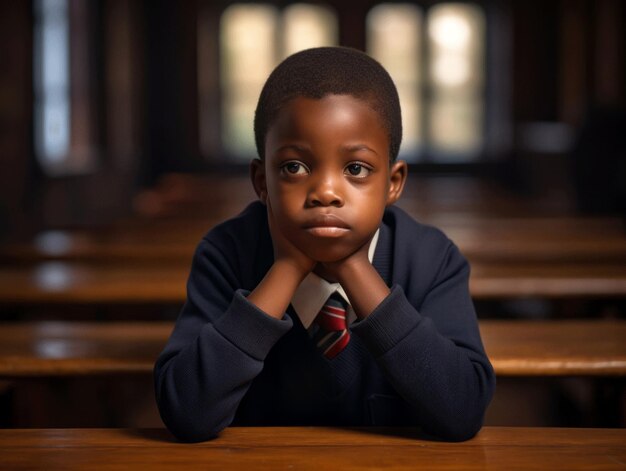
<point x="318" y="72"/>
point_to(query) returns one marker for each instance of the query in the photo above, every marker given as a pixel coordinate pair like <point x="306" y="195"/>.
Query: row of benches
<point x="540" y="257"/>
<point x="145" y="262"/>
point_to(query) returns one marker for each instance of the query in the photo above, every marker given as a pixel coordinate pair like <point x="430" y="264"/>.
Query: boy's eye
<point x="295" y="168"/>
<point x="358" y="170"/>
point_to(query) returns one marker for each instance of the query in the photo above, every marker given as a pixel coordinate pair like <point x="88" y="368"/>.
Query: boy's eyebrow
<point x="297" y="147"/>
<point x="357" y="147"/>
<point x="304" y="148"/>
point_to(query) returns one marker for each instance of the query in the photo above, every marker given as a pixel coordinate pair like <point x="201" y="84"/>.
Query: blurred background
<point x="101" y="99"/>
<point x="126" y="134"/>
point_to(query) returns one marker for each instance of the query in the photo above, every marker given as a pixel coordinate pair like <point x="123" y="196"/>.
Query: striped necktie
<point x="329" y="330"/>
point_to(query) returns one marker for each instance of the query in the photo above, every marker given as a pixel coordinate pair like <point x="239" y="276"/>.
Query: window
<point x="254" y="38"/>
<point x="394" y="39"/>
<point x="437" y="63"/>
<point x="435" y="55"/>
<point x="307" y="26"/>
<point x="52" y="82"/>
<point x="63" y="107"/>
<point x="456" y="77"/>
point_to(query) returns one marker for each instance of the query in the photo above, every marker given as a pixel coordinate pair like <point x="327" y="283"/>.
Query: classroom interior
<point x="127" y="134"/>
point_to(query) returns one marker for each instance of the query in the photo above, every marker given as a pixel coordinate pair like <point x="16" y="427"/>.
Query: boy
<point x="323" y="304"/>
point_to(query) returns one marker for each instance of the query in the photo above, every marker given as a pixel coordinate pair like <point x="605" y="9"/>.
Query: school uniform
<point x="416" y="360"/>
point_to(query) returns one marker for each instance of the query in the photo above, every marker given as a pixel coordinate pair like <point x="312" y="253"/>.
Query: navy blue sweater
<point x="417" y="360"/>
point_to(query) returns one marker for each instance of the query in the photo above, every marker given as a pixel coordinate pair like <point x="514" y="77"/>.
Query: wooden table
<point x="313" y="448"/>
<point x="516" y="348"/>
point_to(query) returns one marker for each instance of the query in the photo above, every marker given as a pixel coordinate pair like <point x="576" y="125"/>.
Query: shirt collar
<point x="314" y="291"/>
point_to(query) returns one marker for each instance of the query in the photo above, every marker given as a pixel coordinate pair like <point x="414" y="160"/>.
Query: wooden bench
<point x="87" y="283"/>
<point x="82" y="283"/>
<point x="548" y="280"/>
<point x="535" y="239"/>
<point x="480" y="239"/>
<point x="516" y="348"/>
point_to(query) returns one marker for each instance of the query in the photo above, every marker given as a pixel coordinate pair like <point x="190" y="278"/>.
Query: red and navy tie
<point x="329" y="329"/>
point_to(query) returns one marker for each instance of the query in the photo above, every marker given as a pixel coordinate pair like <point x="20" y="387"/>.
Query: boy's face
<point x="327" y="175"/>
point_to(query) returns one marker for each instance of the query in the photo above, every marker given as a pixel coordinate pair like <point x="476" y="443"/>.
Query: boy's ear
<point x="257" y="175"/>
<point x="397" y="179"/>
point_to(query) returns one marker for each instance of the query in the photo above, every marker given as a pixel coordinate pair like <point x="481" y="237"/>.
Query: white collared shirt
<point x="314" y="291"/>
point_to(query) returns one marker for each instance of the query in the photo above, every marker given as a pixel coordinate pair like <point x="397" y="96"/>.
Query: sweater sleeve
<point x="217" y="348"/>
<point x="434" y="358"/>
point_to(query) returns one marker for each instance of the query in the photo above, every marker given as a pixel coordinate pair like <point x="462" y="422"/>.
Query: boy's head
<point x="318" y="72"/>
<point x="328" y="131"/>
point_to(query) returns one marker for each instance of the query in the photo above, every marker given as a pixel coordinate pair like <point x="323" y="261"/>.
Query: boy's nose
<point x="325" y="192"/>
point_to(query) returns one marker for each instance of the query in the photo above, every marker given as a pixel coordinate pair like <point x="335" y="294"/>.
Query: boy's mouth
<point x="326" y="225"/>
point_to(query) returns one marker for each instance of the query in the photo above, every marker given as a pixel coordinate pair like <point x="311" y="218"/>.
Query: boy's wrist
<point x="346" y="268"/>
<point x="291" y="271"/>
<point x="349" y="267"/>
<point x="273" y="294"/>
<point x="363" y="285"/>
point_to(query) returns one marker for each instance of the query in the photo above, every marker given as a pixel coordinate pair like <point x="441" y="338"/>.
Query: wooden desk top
<point x="81" y="283"/>
<point x="480" y="239"/>
<point x="548" y="280"/>
<point x="85" y="283"/>
<point x="312" y="448"/>
<point x="515" y="348"/>
<point x="539" y="240"/>
<point x="555" y="347"/>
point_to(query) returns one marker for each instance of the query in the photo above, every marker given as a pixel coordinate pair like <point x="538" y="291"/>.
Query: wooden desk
<point x="480" y="239"/>
<point x="548" y="280"/>
<point x="59" y="282"/>
<point x="82" y="283"/>
<point x="546" y="240"/>
<point x="556" y="347"/>
<point x="39" y="349"/>
<point x="312" y="448"/>
<point x="516" y="348"/>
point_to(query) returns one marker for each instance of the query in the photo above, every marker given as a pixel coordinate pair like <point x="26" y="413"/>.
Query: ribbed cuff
<point x="249" y="328"/>
<point x="388" y="324"/>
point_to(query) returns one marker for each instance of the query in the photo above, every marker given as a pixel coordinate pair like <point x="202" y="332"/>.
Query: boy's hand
<point x="284" y="250"/>
<point x="273" y="294"/>
<point x="338" y="270"/>
<point x="360" y="280"/>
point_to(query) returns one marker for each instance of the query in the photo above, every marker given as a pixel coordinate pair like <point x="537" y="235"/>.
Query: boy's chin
<point x="329" y="254"/>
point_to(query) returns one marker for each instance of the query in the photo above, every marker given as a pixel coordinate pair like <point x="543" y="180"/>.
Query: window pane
<point x="393" y="38"/>
<point x="247" y="51"/>
<point x="456" y="75"/>
<point x="307" y="26"/>
<point x="51" y="81"/>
